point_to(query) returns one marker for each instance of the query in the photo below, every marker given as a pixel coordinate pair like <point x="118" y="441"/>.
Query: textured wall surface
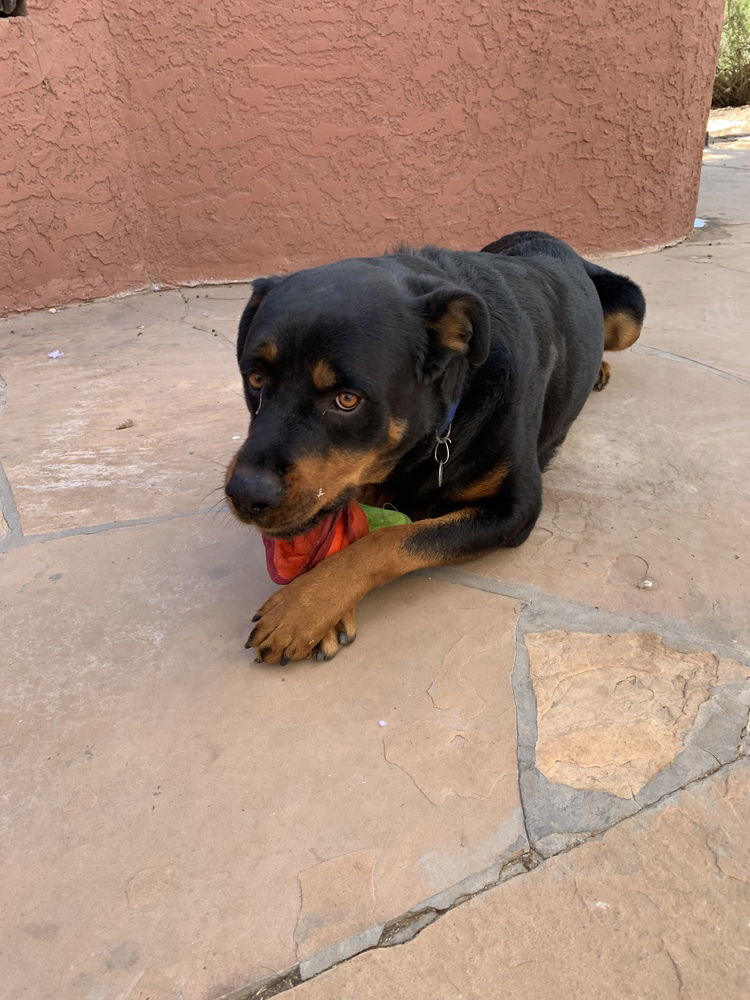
<point x="169" y="143"/>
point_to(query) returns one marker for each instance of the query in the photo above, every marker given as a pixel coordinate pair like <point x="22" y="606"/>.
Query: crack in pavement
<point x="675" y="966"/>
<point x="706" y="261"/>
<point x="394" y="933"/>
<point x="408" y="775"/>
<point x="406" y="927"/>
<point x="669" y="356"/>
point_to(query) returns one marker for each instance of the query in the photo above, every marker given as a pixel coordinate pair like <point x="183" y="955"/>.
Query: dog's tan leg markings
<point x="486" y="486"/>
<point x="307" y="612"/>
<point x="605" y="371"/>
<point x="621" y="330"/>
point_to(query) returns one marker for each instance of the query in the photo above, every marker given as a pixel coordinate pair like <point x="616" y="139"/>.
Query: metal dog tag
<point x="442" y="451"/>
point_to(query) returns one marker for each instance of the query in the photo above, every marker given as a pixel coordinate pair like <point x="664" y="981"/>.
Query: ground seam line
<point x="291" y="977"/>
<point x="10" y="512"/>
<point x="19" y="540"/>
<point x="669" y="356"/>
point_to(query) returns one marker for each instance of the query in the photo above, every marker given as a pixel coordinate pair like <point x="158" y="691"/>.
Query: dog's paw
<point x="603" y="377"/>
<point x="298" y="622"/>
<point x="343" y="634"/>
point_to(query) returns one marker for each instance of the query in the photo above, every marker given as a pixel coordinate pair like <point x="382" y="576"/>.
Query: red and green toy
<point x="288" y="559"/>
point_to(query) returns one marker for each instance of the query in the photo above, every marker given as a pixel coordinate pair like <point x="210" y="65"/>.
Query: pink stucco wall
<point x="172" y="142"/>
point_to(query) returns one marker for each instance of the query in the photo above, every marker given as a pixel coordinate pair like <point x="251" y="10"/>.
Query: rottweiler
<point x="440" y="382"/>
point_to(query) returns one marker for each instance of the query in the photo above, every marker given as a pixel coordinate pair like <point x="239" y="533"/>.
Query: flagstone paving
<point x="545" y="748"/>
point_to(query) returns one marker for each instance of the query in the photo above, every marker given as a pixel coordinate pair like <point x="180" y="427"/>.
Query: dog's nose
<point x="254" y="491"/>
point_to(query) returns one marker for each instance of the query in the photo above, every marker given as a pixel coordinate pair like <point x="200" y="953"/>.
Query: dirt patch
<point x="729" y="127"/>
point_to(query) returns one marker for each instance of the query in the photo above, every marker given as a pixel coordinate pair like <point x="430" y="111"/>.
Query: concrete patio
<point x="549" y="743"/>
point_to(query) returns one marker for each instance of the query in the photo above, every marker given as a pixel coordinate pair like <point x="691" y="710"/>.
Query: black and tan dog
<point x="438" y="381"/>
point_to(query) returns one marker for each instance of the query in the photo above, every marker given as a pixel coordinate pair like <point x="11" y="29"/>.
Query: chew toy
<point x="286" y="560"/>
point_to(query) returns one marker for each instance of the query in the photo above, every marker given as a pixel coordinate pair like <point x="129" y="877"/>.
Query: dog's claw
<point x="275" y="641"/>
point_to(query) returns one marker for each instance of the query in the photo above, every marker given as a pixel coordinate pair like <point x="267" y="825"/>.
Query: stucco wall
<point x="167" y="142"/>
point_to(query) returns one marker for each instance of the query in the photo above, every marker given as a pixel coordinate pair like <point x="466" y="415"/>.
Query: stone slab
<point x="725" y="185"/>
<point x="656" y="907"/>
<point x="696" y="306"/>
<point x="610" y="722"/>
<point x="180" y="824"/>
<point x="725" y="248"/>
<point x="179" y="821"/>
<point x="139" y="362"/>
<point x="615" y="710"/>
<point x="647" y="504"/>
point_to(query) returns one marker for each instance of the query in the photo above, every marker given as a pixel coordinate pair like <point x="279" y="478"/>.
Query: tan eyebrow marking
<point x="268" y="351"/>
<point x="323" y="376"/>
<point x="396" y="431"/>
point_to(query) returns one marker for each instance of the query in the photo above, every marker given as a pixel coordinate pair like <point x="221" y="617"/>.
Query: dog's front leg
<point x="314" y="614"/>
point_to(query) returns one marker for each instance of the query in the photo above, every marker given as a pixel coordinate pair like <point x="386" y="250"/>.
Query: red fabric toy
<point x="287" y="559"/>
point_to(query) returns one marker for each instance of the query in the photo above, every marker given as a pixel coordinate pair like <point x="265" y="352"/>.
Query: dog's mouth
<point x="273" y="524"/>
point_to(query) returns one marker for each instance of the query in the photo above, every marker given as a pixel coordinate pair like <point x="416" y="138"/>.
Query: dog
<point x="439" y="382"/>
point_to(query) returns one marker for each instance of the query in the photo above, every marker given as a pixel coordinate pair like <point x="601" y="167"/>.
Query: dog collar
<point x="442" y="451"/>
<point x="448" y="419"/>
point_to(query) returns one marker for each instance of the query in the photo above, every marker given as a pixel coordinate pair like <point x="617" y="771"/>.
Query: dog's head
<point x="345" y="368"/>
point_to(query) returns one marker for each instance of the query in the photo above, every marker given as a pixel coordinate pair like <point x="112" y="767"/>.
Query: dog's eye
<point x="348" y="401"/>
<point x="255" y="380"/>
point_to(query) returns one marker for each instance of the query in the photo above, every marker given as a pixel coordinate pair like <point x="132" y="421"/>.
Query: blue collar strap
<point x="450" y="416"/>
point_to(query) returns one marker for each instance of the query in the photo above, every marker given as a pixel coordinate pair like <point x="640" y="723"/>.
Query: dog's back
<point x="623" y="304"/>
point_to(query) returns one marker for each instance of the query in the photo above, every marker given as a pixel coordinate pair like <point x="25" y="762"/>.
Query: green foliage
<point x="732" y="83"/>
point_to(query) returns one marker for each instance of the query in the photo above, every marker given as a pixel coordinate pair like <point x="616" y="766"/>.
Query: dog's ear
<point x="261" y="287"/>
<point x="458" y="325"/>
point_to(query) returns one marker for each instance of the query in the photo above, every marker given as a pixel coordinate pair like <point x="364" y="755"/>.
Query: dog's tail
<point x="623" y="304"/>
